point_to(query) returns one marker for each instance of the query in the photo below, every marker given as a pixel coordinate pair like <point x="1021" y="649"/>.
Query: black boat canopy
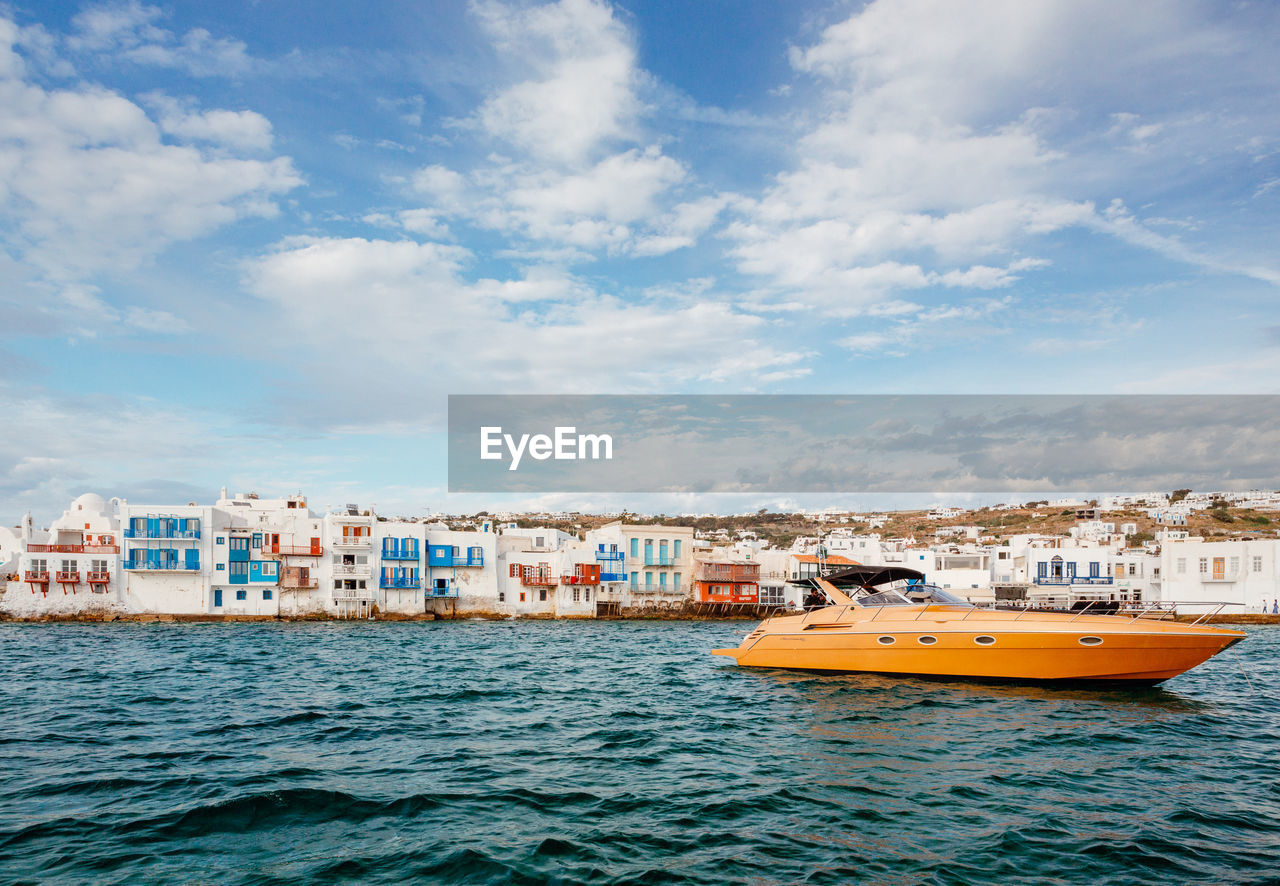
<point x="865" y="576"/>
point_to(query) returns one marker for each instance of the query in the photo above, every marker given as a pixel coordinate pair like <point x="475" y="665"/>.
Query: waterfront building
<point x="723" y="576"/>
<point x="72" y="566"/>
<point x="1197" y="574"/>
<point x="659" y="560"/>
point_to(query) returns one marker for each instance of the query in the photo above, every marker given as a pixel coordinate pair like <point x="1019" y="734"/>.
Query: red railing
<point x="98" y="578"/>
<point x="728" y="572"/>
<point x="37" y="576"/>
<point x="580" y="580"/>
<point x="538" y="580"/>
<point x="294" y="550"/>
<point x="68" y="577"/>
<point x="73" y="549"/>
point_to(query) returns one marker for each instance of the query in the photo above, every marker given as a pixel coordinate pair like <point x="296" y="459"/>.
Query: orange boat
<point x="885" y="620"/>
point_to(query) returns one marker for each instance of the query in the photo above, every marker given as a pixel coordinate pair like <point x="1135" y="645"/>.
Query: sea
<point x="607" y="752"/>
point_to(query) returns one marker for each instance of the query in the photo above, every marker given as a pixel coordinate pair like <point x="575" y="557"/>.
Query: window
<point x="1181" y="566"/>
<point x="675" y="549"/>
<point x="1204" y="565"/>
<point x="502" y="598"/>
<point x="539" y="541"/>
<point x="221" y="540"/>
<point x="1133" y="568"/>
<point x="648" y="579"/>
<point x="586" y="594"/>
<point x="221" y="566"/>
<point x="1257" y="564"/>
<point x="240" y="543"/>
<point x="675" y="581"/>
<point x="257" y="540"/>
<point x="575" y="595"/>
<point x="522" y="596"/>
<point x="635" y="579"/>
<point x="239" y="568"/>
<point x="266" y="594"/>
<point x="242" y="595"/>
<point x="1235" y="565"/>
<point x="269" y="569"/>
<point x="542" y="595"/>
<point x="635" y="547"/>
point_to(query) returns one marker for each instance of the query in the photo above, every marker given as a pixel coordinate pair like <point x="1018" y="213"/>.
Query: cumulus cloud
<point x="586" y="178"/>
<point x="89" y="181"/>
<point x="543" y="331"/>
<point x="937" y="140"/>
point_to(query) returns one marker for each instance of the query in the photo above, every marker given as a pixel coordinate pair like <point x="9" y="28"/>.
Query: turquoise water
<point x="607" y="752"/>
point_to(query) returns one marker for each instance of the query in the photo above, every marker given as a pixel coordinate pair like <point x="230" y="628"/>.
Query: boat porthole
<point x="984" y="640"/>
<point x="886" y="641"/>
<point x="926" y="640"/>
<point x="1090" y="641"/>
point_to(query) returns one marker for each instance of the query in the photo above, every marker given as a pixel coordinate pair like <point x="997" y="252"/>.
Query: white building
<point x="1200" y="574"/>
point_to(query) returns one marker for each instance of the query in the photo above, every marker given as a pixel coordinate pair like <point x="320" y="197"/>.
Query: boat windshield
<point x="884" y="598"/>
<point x="933" y="594"/>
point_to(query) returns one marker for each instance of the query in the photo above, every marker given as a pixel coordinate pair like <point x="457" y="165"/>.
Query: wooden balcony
<point x="73" y="549"/>
<point x="37" y="577"/>
<point x="71" y="578"/>
<point x="538" y="580"/>
<point x="280" y="550"/>
<point x="98" y="578"/>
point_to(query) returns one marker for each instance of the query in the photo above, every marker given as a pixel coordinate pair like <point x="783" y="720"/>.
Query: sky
<point x="258" y="244"/>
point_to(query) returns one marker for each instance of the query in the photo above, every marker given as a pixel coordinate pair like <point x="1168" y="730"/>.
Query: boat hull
<point x="997" y="646"/>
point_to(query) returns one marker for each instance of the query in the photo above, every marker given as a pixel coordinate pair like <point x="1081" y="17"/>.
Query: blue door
<point x="217" y="597"/>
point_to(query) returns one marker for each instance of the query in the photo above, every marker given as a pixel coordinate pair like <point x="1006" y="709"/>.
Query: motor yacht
<point x="886" y="620"/>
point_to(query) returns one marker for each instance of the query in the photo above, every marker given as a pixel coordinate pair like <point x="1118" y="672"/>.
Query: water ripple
<point x="531" y="752"/>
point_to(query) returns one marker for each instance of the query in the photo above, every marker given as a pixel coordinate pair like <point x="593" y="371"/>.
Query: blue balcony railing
<point x="610" y="556"/>
<point x="658" y="560"/>
<point x="163" y="565"/>
<point x="400" y="554"/>
<point x="1066" y="580"/>
<point x="400" y="581"/>
<point x="438" y="591"/>
<point x="162" y="533"/>
<point x="470" y="560"/>
<point x="613" y="576"/>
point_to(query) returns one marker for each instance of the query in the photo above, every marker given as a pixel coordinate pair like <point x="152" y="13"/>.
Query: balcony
<point x="347" y="569"/>
<point x="1221" y="576"/>
<point x="579" y="580"/>
<point x="352" y="596"/>
<point x="352" y="541"/>
<point x="728" y="573"/>
<point x="37" y="577"/>
<point x="539" y="580"/>
<point x="1067" y="580"/>
<point x="280" y="550"/>
<point x="400" y="582"/>
<point x="73" y="549"/>
<point x="658" y="560"/>
<point x="470" y="560"/>
<point x="400" y="554"/>
<point x="179" y="534"/>
<point x="67" y="578"/>
<point x="98" y="578"/>
<point x="610" y="556"/>
<point x="436" y="592"/>
<point x="161" y="565"/>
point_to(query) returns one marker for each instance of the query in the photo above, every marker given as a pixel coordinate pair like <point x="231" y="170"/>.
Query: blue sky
<point x="257" y="244"/>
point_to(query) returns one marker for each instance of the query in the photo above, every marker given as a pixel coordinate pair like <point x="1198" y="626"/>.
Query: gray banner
<point x="863" y="443"/>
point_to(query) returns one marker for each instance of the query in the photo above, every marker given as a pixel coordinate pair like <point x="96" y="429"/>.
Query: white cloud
<point x="430" y="325"/>
<point x="582" y="92"/>
<point x="89" y="182"/>
<point x="243" y="130"/>
<point x="130" y="31"/>
<point x="933" y="148"/>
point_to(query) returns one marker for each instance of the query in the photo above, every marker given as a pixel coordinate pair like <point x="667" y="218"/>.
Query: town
<point x="246" y="556"/>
